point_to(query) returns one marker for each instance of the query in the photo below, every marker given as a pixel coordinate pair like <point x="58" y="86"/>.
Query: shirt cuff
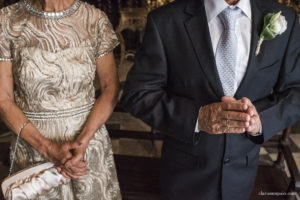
<point x="259" y="132"/>
<point x="196" y="127"/>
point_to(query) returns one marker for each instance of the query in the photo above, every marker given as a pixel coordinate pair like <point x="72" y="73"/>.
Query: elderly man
<point x="206" y="78"/>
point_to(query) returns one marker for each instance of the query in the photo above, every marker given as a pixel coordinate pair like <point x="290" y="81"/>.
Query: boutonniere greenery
<point x="274" y="24"/>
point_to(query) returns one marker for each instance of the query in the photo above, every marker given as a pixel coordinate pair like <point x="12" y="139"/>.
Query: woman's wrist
<point x="36" y="139"/>
<point x="83" y="140"/>
<point x="45" y="148"/>
<point x="85" y="136"/>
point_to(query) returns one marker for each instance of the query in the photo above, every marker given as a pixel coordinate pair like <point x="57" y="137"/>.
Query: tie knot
<point x="228" y="17"/>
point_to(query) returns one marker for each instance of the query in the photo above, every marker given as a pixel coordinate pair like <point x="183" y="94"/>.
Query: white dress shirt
<point x="242" y="30"/>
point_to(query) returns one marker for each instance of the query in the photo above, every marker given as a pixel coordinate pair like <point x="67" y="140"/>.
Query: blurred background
<point x="137" y="146"/>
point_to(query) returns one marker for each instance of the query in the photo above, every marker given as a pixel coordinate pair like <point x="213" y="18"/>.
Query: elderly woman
<point x="50" y="52"/>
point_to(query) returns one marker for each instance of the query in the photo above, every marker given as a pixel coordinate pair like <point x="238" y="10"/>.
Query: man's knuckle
<point x="247" y="99"/>
<point x="215" y="126"/>
<point x="221" y="106"/>
<point x="229" y="115"/>
<point x="227" y="106"/>
<point x="221" y="129"/>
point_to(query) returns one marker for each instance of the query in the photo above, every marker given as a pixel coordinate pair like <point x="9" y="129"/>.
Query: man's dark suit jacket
<point x="175" y="74"/>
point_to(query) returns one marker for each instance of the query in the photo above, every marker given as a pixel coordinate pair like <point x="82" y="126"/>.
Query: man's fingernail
<point x="248" y="118"/>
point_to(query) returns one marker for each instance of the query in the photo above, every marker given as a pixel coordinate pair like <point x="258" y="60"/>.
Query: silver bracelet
<point x="22" y="127"/>
<point x="16" y="144"/>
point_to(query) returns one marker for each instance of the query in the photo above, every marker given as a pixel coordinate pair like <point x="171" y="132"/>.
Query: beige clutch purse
<point x="31" y="182"/>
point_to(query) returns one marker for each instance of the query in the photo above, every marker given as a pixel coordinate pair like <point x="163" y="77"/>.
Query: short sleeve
<point x="5" y="47"/>
<point x="107" y="39"/>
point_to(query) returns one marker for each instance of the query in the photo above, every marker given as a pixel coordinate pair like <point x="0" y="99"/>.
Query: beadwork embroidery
<point x="52" y="15"/>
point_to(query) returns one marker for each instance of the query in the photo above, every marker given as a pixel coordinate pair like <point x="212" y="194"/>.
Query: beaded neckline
<point x="52" y="15"/>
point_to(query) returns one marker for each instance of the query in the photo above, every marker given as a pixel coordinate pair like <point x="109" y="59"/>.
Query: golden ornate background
<point x="292" y="3"/>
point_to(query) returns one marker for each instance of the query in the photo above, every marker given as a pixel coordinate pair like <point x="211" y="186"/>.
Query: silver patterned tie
<point x="227" y="50"/>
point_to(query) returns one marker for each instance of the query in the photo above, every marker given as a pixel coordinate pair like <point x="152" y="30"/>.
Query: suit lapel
<point x="198" y="31"/>
<point x="257" y="24"/>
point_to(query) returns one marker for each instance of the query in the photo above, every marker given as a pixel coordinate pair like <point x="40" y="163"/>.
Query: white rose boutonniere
<point x="274" y="24"/>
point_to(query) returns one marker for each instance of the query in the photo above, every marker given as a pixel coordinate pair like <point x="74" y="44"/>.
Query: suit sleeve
<point x="282" y="108"/>
<point x="146" y="93"/>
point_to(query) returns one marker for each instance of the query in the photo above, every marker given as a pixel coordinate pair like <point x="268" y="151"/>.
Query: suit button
<point x="226" y="161"/>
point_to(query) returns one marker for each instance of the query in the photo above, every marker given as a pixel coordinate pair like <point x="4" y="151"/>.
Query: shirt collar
<point x="215" y="7"/>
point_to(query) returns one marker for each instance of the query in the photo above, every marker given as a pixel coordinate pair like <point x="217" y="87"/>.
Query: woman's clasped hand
<point x="68" y="158"/>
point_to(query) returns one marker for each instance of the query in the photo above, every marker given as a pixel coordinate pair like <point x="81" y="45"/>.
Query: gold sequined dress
<point x="54" y="62"/>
